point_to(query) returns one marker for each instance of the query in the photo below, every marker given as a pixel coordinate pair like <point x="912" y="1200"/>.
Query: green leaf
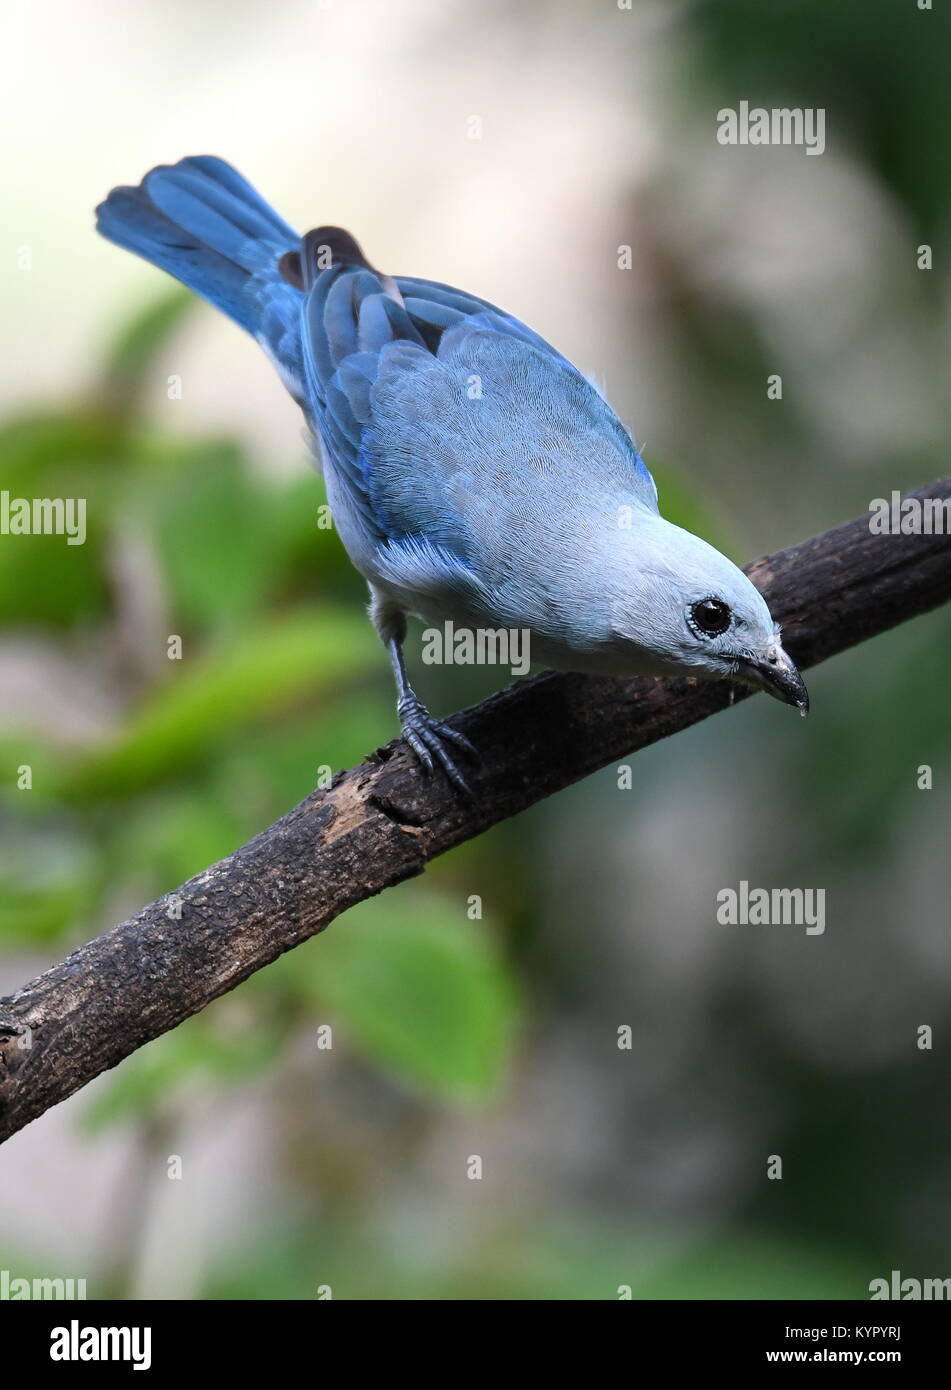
<point x="43" y="578"/>
<point x="169" y="836"/>
<point x="285" y="761"/>
<point x="213" y="527"/>
<point x="420" y="989"/>
<point x="260" y="672"/>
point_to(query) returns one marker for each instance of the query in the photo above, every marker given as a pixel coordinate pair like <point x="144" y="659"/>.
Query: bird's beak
<point x="778" y="674"/>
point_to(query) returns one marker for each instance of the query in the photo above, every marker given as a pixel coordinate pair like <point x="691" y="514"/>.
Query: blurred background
<point x="303" y="1166"/>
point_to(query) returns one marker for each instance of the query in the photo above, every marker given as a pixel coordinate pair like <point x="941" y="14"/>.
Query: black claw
<point x="421" y="752"/>
<point x="460" y="740"/>
<point x="427" y="738"/>
<point x="455" y="776"/>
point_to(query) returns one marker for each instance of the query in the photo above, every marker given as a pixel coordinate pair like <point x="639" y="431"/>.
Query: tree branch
<point x="382" y="822"/>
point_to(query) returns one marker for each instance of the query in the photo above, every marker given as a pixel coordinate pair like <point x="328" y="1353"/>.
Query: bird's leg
<point x="427" y="736"/>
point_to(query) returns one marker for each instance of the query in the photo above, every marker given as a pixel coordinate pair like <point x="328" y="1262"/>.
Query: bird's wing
<point x="448" y="421"/>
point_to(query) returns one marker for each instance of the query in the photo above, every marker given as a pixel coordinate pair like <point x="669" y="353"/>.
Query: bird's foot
<point x="428" y="737"/>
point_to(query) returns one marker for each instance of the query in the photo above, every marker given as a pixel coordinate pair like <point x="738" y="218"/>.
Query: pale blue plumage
<point x="472" y="471"/>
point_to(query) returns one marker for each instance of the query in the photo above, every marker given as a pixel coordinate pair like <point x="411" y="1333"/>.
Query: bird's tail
<point x="203" y="223"/>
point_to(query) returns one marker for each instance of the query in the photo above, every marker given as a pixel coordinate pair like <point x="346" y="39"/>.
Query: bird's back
<point x="440" y="416"/>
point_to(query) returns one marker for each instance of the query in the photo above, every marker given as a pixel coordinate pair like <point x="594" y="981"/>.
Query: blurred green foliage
<point x="280" y="677"/>
<point x="563" y="1265"/>
<point x="881" y="67"/>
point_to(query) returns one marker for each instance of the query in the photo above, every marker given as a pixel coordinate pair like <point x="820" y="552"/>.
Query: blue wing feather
<point x="420" y="454"/>
<point x="438" y="412"/>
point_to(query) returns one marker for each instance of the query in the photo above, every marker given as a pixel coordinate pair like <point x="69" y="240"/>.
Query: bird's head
<point x="694" y="613"/>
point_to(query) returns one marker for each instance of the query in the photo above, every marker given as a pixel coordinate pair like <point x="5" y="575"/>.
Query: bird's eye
<point x="711" y="616"/>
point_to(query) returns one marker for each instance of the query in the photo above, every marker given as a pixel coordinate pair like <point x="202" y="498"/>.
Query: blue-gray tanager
<point x="474" y="475"/>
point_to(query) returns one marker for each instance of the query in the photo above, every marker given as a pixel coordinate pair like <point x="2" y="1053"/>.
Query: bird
<point x="474" y="475"/>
